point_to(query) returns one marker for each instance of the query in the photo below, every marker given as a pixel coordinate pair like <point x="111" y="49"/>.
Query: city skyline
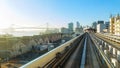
<point x="57" y="13"/>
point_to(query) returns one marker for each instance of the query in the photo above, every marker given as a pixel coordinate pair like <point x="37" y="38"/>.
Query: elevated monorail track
<point x="83" y="52"/>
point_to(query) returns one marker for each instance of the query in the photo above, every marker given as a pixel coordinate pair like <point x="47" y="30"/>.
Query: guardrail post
<point x="101" y="47"/>
<point x="110" y="49"/>
<point x="115" y="62"/>
<point x="118" y="55"/>
<point x="106" y="52"/>
<point x="102" y="42"/>
<point x="114" y="52"/>
<point x="105" y="45"/>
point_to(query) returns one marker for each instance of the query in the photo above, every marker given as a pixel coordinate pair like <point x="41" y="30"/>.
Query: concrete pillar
<point x="110" y="49"/>
<point x="118" y="55"/>
<point x="105" y="43"/>
<point x="114" y="52"/>
<point x="101" y="47"/>
<point x="102" y="42"/>
<point x="97" y="43"/>
<point x="107" y="47"/>
<point x="106" y="52"/>
<point x="115" y="62"/>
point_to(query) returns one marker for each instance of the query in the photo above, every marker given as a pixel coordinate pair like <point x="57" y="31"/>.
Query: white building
<point x="100" y="27"/>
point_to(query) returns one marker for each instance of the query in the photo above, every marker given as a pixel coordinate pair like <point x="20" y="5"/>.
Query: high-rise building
<point x="79" y="30"/>
<point x="100" y="22"/>
<point x="107" y="25"/>
<point x="70" y="27"/>
<point x="115" y="25"/>
<point x="100" y="27"/>
<point x="112" y="21"/>
<point x="77" y="24"/>
<point x="94" y="25"/>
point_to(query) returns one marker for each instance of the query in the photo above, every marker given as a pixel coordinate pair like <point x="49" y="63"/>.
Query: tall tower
<point x="77" y="24"/>
<point x="70" y="27"/>
<point x="94" y="25"/>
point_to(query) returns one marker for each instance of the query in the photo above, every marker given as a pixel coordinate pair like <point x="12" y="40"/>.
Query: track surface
<point x="80" y="54"/>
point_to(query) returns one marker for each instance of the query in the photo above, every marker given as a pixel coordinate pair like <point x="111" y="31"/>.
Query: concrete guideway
<point x="110" y="49"/>
<point x="92" y="55"/>
<point x="84" y="54"/>
<point x="80" y="52"/>
<point x="42" y="60"/>
<point x="75" y="58"/>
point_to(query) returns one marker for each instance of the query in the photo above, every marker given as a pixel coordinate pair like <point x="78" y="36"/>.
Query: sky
<point x="57" y="13"/>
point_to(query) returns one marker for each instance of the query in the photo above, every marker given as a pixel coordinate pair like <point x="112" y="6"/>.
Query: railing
<point x="109" y="64"/>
